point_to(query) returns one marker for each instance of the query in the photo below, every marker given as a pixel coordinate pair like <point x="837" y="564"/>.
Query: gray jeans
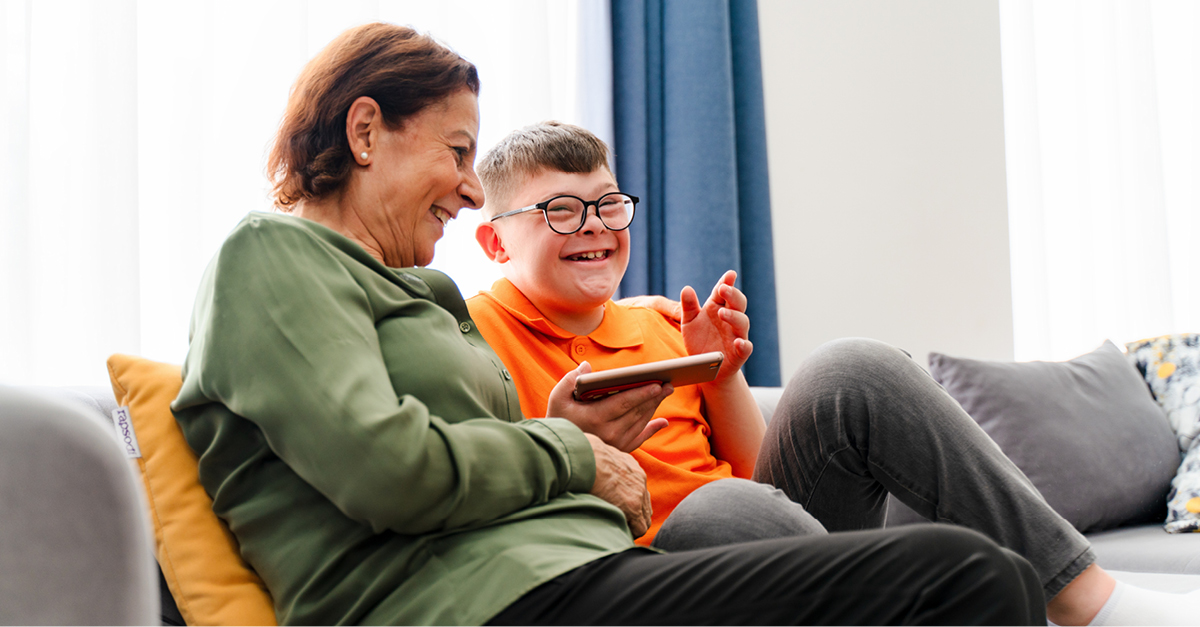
<point x="858" y="420"/>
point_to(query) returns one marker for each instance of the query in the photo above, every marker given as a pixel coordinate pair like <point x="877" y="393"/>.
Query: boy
<point x="555" y="219"/>
<point x="553" y="312"/>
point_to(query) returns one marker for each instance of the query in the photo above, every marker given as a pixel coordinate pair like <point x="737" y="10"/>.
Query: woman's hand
<point x="623" y="420"/>
<point x="720" y="325"/>
<point x="661" y="304"/>
<point x="622" y="482"/>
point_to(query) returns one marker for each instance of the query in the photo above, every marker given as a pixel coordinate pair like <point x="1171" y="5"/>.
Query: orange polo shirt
<point x="677" y="459"/>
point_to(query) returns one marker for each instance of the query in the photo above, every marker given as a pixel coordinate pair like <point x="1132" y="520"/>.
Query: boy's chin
<point x="584" y="305"/>
<point x="595" y="294"/>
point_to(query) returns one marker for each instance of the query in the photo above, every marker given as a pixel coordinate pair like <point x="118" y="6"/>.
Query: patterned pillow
<point x="1171" y="367"/>
<point x="1183" y="501"/>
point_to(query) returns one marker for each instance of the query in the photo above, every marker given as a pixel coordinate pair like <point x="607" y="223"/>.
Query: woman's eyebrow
<point x="469" y="136"/>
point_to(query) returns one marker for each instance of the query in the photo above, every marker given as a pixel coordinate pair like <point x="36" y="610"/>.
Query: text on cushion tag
<point x="125" y="434"/>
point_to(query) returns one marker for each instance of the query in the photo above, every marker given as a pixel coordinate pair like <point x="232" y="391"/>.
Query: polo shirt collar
<point x="619" y="329"/>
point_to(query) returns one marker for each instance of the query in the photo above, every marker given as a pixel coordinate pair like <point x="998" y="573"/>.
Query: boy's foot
<point x="1137" y="606"/>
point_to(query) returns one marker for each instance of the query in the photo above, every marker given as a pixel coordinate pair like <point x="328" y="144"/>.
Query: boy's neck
<point x="579" y="323"/>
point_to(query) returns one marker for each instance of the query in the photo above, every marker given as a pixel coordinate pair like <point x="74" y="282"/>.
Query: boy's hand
<point x="720" y="325"/>
<point x="623" y="420"/>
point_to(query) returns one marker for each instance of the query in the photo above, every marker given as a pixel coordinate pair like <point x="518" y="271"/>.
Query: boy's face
<point x="550" y="268"/>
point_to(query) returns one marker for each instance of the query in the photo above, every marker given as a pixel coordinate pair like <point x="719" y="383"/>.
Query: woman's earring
<point x="364" y="155"/>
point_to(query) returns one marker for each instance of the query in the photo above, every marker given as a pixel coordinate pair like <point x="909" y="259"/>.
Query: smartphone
<point x="677" y="372"/>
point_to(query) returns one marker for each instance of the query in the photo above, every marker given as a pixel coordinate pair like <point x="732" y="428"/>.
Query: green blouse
<point x="366" y="446"/>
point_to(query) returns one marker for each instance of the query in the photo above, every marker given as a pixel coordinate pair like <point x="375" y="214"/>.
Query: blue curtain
<point x="690" y="140"/>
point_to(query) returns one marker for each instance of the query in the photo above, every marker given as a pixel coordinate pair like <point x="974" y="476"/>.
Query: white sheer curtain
<point x="1102" y="125"/>
<point x="133" y="136"/>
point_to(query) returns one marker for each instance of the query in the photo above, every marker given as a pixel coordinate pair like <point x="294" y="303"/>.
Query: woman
<point x="366" y="447"/>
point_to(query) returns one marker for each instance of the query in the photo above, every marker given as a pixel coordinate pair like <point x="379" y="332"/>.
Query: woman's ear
<point x="363" y="121"/>
<point x="489" y="241"/>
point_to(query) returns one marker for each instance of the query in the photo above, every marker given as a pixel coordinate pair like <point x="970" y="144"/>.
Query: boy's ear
<point x="489" y="241"/>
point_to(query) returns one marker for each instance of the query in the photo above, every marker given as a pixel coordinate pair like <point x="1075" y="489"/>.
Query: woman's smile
<point x="442" y="215"/>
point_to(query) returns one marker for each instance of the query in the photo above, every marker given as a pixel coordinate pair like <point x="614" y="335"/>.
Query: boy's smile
<point x="567" y="277"/>
<point x="590" y="256"/>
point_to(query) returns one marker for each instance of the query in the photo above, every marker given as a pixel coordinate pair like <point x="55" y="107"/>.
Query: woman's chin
<point x="423" y="254"/>
<point x="422" y="257"/>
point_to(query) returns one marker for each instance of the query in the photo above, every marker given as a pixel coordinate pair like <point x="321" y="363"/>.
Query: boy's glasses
<point x="566" y="214"/>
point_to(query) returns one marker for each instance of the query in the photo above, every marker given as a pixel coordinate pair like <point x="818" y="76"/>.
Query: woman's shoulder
<point x="262" y="236"/>
<point x="294" y="255"/>
<point x="263" y="224"/>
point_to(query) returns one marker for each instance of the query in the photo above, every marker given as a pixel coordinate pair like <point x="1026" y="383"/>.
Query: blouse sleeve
<point x="284" y="336"/>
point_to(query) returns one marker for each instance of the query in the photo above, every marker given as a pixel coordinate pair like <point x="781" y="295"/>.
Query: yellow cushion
<point x="198" y="555"/>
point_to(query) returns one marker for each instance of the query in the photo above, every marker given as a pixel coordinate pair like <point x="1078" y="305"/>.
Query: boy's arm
<point x="736" y="421"/>
<point x="721" y="324"/>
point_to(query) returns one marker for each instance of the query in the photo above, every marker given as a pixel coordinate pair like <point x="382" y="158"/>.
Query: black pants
<point x="923" y="574"/>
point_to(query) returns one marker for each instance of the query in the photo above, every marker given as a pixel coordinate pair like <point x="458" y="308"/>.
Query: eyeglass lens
<point x="566" y="213"/>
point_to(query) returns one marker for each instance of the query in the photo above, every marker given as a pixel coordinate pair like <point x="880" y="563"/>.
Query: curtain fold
<point x="133" y="137"/>
<point x="69" y="186"/>
<point x="690" y="139"/>
<point x="1102" y="135"/>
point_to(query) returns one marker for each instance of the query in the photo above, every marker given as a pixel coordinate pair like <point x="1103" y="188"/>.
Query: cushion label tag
<point x="125" y="433"/>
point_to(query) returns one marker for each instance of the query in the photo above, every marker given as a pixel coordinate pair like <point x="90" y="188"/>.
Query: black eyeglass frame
<point x="542" y="206"/>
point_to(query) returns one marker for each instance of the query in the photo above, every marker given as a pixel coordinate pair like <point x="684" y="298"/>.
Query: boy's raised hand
<point x="623" y="420"/>
<point x="721" y="324"/>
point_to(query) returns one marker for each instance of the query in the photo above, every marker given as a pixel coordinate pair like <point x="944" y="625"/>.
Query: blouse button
<point x="465" y="327"/>
<point x="579" y="349"/>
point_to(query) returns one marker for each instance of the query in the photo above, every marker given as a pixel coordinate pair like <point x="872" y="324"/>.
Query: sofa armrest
<point x="768" y="399"/>
<point x="75" y="543"/>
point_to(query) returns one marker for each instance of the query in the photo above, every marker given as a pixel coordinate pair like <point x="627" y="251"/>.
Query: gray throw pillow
<point x="1086" y="432"/>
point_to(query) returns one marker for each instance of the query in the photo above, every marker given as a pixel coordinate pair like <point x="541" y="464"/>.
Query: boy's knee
<point x="849" y="374"/>
<point x="842" y="374"/>
<point x="856" y="355"/>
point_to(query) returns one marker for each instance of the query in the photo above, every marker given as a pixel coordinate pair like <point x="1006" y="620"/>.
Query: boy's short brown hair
<point x="534" y="149"/>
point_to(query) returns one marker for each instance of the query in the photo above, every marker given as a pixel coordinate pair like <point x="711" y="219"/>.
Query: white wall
<point x="886" y="145"/>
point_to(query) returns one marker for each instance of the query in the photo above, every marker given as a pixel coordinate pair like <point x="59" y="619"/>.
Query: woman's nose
<point x="471" y="190"/>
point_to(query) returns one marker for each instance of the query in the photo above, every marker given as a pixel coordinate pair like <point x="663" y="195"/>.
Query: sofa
<point x="87" y="569"/>
<point x="75" y="541"/>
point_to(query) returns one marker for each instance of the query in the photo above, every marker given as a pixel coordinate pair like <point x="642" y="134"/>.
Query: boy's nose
<point x="591" y="221"/>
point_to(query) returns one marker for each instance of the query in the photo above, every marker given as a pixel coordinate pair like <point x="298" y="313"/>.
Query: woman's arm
<point x="285" y="336"/>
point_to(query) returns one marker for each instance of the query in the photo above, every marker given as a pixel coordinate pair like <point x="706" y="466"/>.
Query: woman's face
<point x="418" y="178"/>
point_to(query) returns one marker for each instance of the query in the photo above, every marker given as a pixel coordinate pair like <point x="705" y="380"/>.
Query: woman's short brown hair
<point x="403" y="70"/>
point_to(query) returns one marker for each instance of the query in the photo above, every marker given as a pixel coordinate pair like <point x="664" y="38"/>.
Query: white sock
<point x="1137" y="606"/>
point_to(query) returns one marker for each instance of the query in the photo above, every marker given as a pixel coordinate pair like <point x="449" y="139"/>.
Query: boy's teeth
<point x="595" y="255"/>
